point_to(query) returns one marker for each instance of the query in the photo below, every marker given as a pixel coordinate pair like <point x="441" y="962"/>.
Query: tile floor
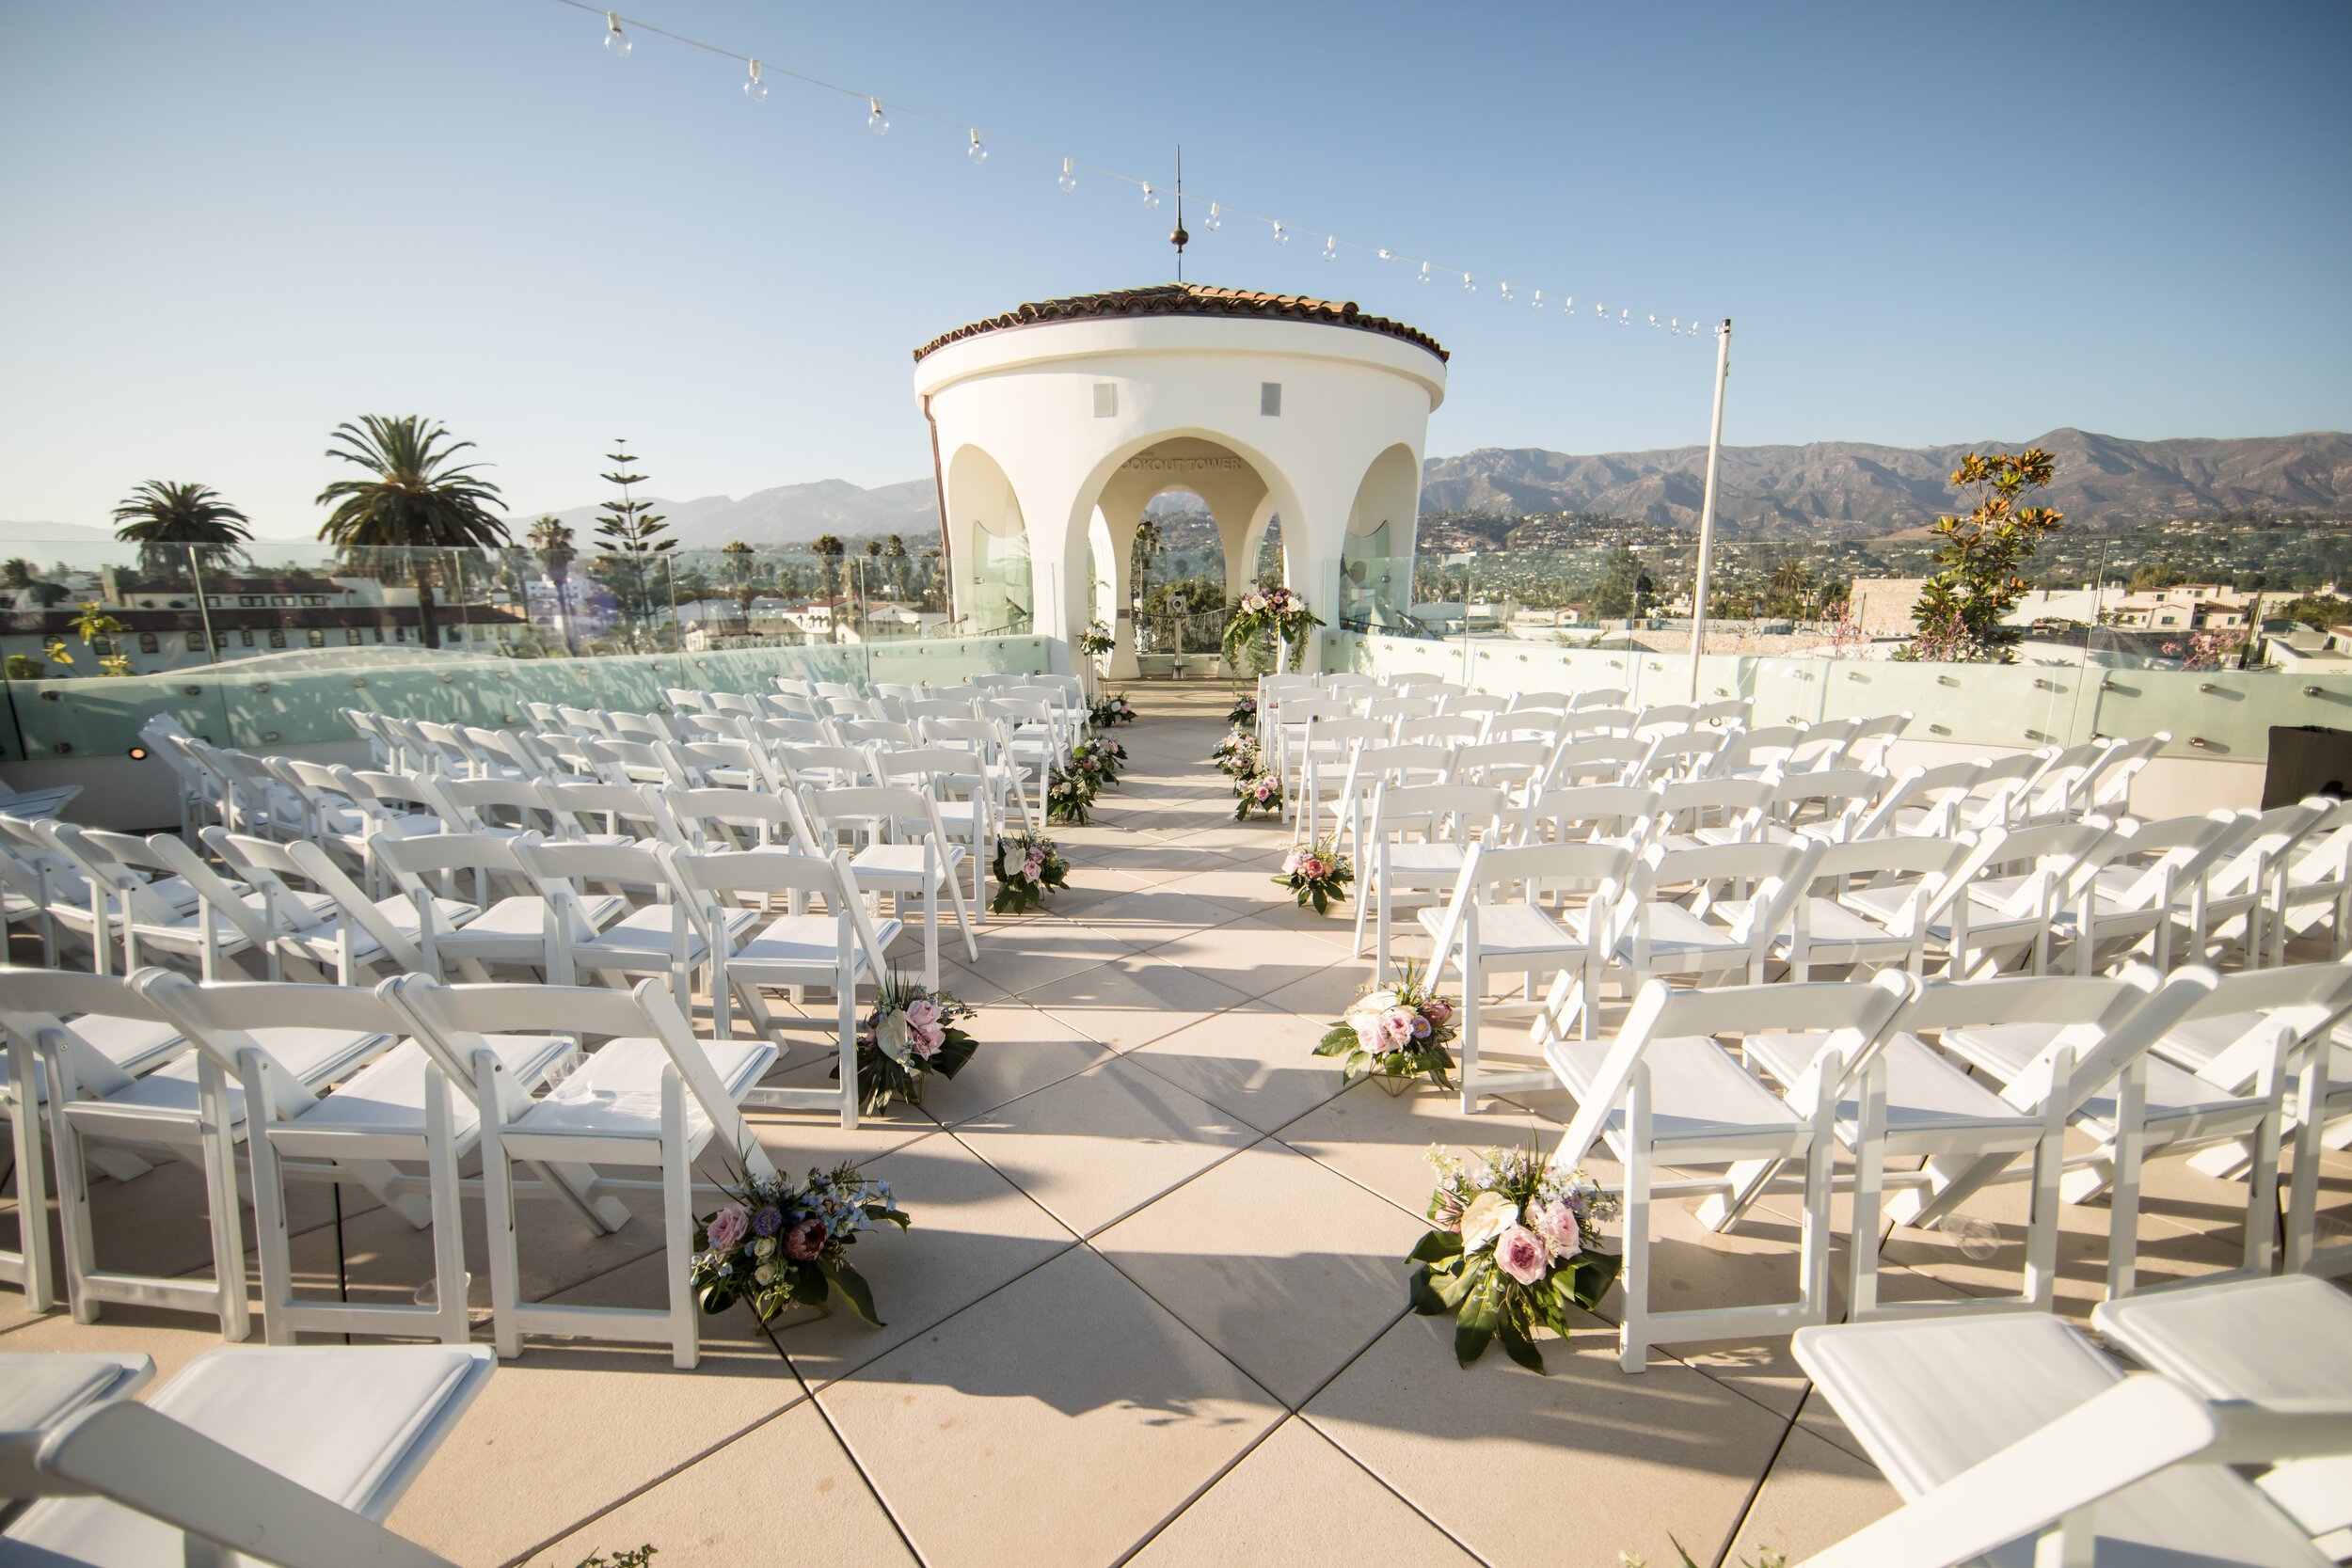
<point x="1152" y="1308"/>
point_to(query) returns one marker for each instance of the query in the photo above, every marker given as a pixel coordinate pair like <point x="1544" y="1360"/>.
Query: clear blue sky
<point x="226" y="225"/>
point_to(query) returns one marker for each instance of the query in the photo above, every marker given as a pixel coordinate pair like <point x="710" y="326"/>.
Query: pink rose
<point x="1555" y="1224"/>
<point x="1292" y="863"/>
<point x="727" y="1229"/>
<point x="1439" y="1013"/>
<point x="1399" y="1026"/>
<point x="1372" y="1033"/>
<point x="922" y="1012"/>
<point x="1315" y="869"/>
<point x="1263" y="790"/>
<point x="929" y="1038"/>
<point x="1520" y="1254"/>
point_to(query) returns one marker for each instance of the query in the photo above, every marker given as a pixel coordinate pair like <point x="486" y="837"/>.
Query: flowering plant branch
<point x="1243" y="713"/>
<point x="1237" y="754"/>
<point x="1095" y="640"/>
<point x="1112" y="710"/>
<point x="1258" y="791"/>
<point x="1275" y="610"/>
<point x="911" y="1034"/>
<point x="1027" y="879"/>
<point x="1098" y="760"/>
<point x="1069" y="794"/>
<point x="1396" y="1031"/>
<point x="1517" y="1244"/>
<point x="1318" y="875"/>
<point x="777" y="1244"/>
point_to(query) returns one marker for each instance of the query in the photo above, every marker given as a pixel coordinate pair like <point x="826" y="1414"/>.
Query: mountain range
<point x="1824" y="488"/>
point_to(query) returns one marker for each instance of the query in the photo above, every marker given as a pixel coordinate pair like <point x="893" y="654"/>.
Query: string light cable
<point x="619" y="35"/>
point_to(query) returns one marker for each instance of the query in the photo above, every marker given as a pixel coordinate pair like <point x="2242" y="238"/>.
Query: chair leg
<point x="1814" y="1235"/>
<point x="2049" y="1164"/>
<point x="2130" y="1139"/>
<point x="39" y="1274"/>
<point x="2311" y="1099"/>
<point x="449" y="1234"/>
<point x="219" y="1158"/>
<point x="1869" y="1190"/>
<point x="845" y="1022"/>
<point x="497" y="1218"/>
<point x="677" y="1220"/>
<point x="1633" y="1276"/>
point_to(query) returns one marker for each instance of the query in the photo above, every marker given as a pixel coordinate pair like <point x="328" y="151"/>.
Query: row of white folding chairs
<point x="1744" y="896"/>
<point x="119" y="1072"/>
<point x="2136" y="1065"/>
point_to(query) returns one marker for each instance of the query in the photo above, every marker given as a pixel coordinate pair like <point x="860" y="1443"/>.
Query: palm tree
<point x="738" y="556"/>
<point x="416" y="498"/>
<point x="553" y="540"/>
<point x="830" y="549"/>
<point x="895" y="552"/>
<point x="169" y="521"/>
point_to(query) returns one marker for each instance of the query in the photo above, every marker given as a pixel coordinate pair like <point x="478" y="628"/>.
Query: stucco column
<point x="1124" y="666"/>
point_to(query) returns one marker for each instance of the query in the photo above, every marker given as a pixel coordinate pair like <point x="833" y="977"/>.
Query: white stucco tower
<point x="1053" y="425"/>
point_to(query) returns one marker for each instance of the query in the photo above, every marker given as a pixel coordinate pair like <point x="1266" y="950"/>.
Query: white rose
<point x="1488" y="1216"/>
<point x="1377" y="1002"/>
<point x="765" y="1274"/>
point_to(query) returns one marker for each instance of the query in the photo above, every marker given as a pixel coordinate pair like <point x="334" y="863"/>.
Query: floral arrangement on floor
<point x="1517" y="1244"/>
<point x="1243" y="713"/>
<point x="1102" y="758"/>
<point x="1393" y="1032"/>
<point x="1318" y="875"/>
<point x="1028" y="869"/>
<point x="1275" y="610"/>
<point x="1259" y="791"/>
<point x="1096" y="639"/>
<point x="778" y="1245"/>
<point x="1237" y="754"/>
<point x="1112" y="710"/>
<point x="1069" y="795"/>
<point x="910" y="1035"/>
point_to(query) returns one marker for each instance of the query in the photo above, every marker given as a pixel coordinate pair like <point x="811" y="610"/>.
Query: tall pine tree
<point x="631" y="533"/>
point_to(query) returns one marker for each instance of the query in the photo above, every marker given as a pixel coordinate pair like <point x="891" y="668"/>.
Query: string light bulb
<point x="616" y="43"/>
<point x="1653" y="320"/>
<point x="1281" y="235"/>
<point x="1537" y="303"/>
<point x="1599" y="309"/>
<point x="1216" y="217"/>
<point x="753" y="89"/>
<point x="1151" y="198"/>
<point x="1331" y="248"/>
<point x="1385" y="255"/>
<point x="1469" y="284"/>
<point x="1506" y="293"/>
<point x="1568" y="307"/>
<point x="1424" y="276"/>
<point x="876" y="120"/>
<point x="1069" y="180"/>
<point x="1624" y="318"/>
<point x="978" y="153"/>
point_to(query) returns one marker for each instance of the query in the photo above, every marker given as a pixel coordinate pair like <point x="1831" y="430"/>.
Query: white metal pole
<point x="1707" y="508"/>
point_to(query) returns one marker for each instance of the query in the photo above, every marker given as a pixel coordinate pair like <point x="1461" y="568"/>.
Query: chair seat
<point x="1511" y="933"/>
<point x="1925" y="1093"/>
<point x="516" y="927"/>
<point x="38" y="1389"/>
<point x="892" y="866"/>
<point x="133" y="1044"/>
<point x="2180" y="1103"/>
<point x="807" y="941"/>
<point x="1423" y="864"/>
<point x="322" y="943"/>
<point x="1698" y="1094"/>
<point x="1680" y="939"/>
<point x="349" y="1425"/>
<point x="644" y="935"/>
<point x="387" y="1095"/>
<point x="1931" y="1400"/>
<point x="1836" y="934"/>
<point x="617" y="1092"/>
<point x="164" y="1104"/>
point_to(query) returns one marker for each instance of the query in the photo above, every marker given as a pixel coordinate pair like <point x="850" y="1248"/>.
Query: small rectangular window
<point x="352" y="636"/>
<point x="276" y="639"/>
<point x="148" y="644"/>
<point x="196" y="642"/>
<point x="252" y="601"/>
<point x="245" y="640"/>
<point x="1270" y="398"/>
<point x="1106" y="399"/>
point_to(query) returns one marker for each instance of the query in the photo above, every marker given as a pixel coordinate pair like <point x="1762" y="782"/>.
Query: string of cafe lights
<point x="620" y="33"/>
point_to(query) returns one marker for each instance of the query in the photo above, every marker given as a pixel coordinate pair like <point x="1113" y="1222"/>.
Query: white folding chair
<point x="1421" y="835"/>
<point x="652" y="1097"/>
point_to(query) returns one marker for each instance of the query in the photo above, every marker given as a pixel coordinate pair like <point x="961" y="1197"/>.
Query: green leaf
<point x="1453" y="1289"/>
<point x="1520" y="1349"/>
<point x="1595" y="1272"/>
<point x="853" y="1289"/>
<point x="1423" y="1298"/>
<point x="1436" y="1246"/>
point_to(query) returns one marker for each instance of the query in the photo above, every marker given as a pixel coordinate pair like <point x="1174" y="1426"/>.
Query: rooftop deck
<point x="1151" y="1307"/>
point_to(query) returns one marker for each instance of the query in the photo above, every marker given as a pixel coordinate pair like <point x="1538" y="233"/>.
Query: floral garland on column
<point x="1275" y="610"/>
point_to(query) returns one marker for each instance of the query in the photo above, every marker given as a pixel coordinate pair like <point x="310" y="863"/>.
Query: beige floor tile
<point x="712" y="1511"/>
<point x="1297" y="1500"/>
<point x="1020" y="1051"/>
<point x="1150" y="916"/>
<point x="1133" y="1001"/>
<point x="1021" y="955"/>
<point x="1255" y="1061"/>
<point x="1817" y="1494"/>
<point x="1095" y="1148"/>
<point x="797" y="1138"/>
<point x="1383" y="1143"/>
<point x="1250" y="957"/>
<point x="1667" y="1450"/>
<point x="561" y="1433"/>
<point x="1060" y="1420"/>
<point x="1287" y="1268"/>
<point x="971" y="1232"/>
<point x="1324" y="994"/>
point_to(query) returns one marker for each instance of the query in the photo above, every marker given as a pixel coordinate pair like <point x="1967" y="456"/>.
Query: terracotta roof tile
<point x="1186" y="299"/>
